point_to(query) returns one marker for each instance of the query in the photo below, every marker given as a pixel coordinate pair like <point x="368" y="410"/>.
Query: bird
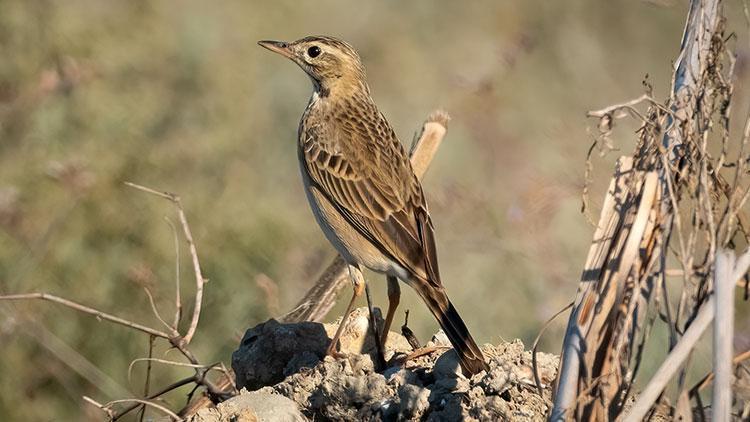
<point x="363" y="191"/>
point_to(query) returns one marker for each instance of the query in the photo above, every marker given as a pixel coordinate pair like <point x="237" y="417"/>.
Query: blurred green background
<point x="177" y="96"/>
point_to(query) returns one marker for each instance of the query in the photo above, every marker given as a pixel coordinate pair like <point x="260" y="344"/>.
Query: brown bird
<point x="362" y="189"/>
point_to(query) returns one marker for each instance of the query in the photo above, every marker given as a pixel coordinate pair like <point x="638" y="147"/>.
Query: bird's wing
<point x="362" y="169"/>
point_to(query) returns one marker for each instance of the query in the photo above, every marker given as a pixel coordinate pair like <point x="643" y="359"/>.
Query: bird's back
<point x="349" y="149"/>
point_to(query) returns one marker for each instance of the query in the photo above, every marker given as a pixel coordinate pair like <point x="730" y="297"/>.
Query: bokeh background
<point x="177" y="96"/>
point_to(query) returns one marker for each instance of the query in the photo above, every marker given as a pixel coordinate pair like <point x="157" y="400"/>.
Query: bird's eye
<point x="313" y="51"/>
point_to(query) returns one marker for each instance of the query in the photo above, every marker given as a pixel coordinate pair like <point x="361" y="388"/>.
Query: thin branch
<point x="228" y="375"/>
<point x="157" y="406"/>
<point x="177" y="341"/>
<point x="177" y="297"/>
<point x="172" y="363"/>
<point x="534" y="363"/>
<point x="175" y="385"/>
<point x="87" y="310"/>
<point x="95" y="403"/>
<point x="721" y="403"/>
<point x="708" y="378"/>
<point x="630" y="106"/>
<point x="147" y="382"/>
<point x="199" y="279"/>
<point x="672" y="363"/>
<point x="156" y="312"/>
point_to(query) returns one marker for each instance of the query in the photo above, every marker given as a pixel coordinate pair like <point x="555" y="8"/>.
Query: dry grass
<point x="677" y="200"/>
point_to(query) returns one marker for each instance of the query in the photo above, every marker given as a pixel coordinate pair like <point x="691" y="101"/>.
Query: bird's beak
<point x="280" y="47"/>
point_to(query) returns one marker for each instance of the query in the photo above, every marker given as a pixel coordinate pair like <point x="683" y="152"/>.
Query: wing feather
<point x="363" y="170"/>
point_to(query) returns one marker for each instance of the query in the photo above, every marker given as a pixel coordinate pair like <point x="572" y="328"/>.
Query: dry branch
<point x="720" y="305"/>
<point x="721" y="403"/>
<point x="199" y="279"/>
<point x="626" y="264"/>
<point x="319" y="300"/>
<point x="173" y="336"/>
<point x="107" y="407"/>
<point x="672" y="363"/>
<point x="88" y="310"/>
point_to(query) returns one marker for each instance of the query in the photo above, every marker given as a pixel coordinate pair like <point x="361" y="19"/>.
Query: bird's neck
<point x="341" y="87"/>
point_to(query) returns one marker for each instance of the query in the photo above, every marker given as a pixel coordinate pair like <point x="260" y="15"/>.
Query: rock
<point x="287" y="360"/>
<point x="356" y="338"/>
<point x="497" y="380"/>
<point x="252" y="407"/>
<point x="271" y="351"/>
<point x="447" y="366"/>
<point x="413" y="401"/>
<point x="400" y="376"/>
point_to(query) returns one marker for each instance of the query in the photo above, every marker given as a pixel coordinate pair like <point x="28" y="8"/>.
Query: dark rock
<point x="287" y="359"/>
<point x="271" y="351"/>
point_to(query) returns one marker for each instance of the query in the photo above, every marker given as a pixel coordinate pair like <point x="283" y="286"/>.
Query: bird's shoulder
<point x="351" y="141"/>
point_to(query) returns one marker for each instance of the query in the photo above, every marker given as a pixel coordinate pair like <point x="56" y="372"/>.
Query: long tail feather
<point x="469" y="354"/>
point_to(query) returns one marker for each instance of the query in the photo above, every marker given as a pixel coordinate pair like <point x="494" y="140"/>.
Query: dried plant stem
<point x="672" y="363"/>
<point x="628" y="105"/>
<point x="107" y="407"/>
<point x="727" y="272"/>
<point x="627" y="259"/>
<point x="199" y="279"/>
<point x="175" y="341"/>
<point x="155" y="311"/>
<point x="172" y="335"/>
<point x="198" y="379"/>
<point x="708" y="379"/>
<point x="87" y="310"/>
<point x="177" y="295"/>
<point x="149" y="360"/>
<point x="721" y="403"/>
<point x="534" y="365"/>
<point x="147" y="382"/>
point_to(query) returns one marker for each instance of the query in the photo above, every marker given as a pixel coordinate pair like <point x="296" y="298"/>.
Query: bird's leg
<point x="379" y="348"/>
<point x="358" y="281"/>
<point x="394" y="297"/>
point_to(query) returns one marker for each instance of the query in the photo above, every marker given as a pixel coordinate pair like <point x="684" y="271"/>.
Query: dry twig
<point x="671" y="172"/>
<point x="107" y="407"/>
<point x="199" y="279"/>
<point x="172" y="335"/>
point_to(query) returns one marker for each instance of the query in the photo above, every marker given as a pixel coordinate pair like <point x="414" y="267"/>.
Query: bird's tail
<point x="469" y="354"/>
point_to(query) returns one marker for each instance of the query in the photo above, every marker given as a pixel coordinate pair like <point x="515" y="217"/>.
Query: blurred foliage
<point x="177" y="96"/>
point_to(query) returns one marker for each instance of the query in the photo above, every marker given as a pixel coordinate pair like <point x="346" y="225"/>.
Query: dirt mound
<point x="289" y="359"/>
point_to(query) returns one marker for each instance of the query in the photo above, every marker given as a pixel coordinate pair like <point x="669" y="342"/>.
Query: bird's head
<point x="332" y="64"/>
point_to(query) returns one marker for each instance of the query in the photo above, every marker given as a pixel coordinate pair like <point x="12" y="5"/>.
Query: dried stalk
<point x="721" y="403"/>
<point x="199" y="279"/>
<point x="626" y="262"/>
<point x="88" y="310"/>
<point x="172" y="334"/>
<point x="728" y="271"/>
<point x="672" y="363"/>
<point x="107" y="407"/>
<point x="709" y="378"/>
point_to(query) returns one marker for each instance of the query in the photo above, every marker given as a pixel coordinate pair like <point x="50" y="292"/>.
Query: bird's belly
<point x="353" y="247"/>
